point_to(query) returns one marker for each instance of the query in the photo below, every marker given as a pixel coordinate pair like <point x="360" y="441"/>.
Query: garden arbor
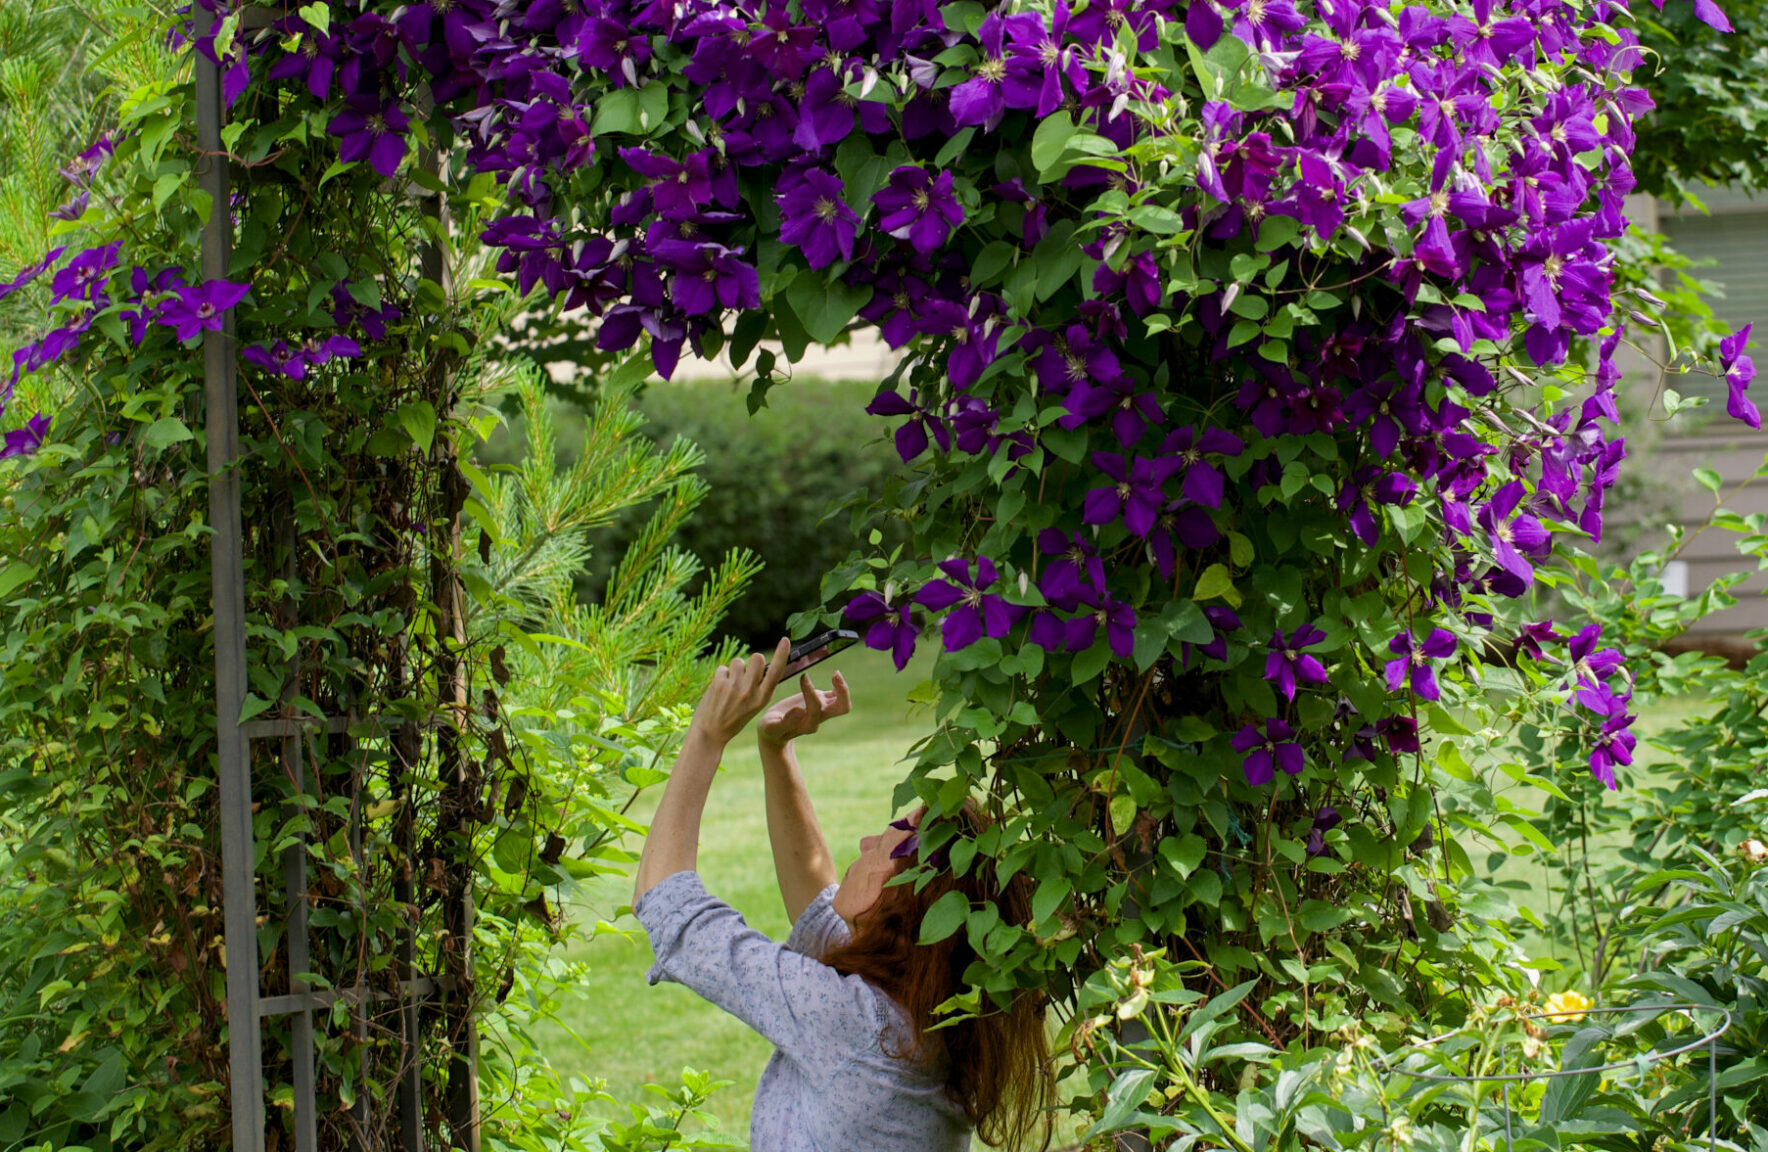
<point x="1261" y="365"/>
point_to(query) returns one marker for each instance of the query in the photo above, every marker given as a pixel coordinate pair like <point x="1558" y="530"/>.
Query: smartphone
<point x="809" y="653"/>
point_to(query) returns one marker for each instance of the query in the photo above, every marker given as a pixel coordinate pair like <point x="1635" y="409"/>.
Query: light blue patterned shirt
<point x="829" y="1086"/>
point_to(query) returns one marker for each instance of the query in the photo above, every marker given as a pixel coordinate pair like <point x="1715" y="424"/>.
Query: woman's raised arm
<point x="738" y="691"/>
<point x="802" y="861"/>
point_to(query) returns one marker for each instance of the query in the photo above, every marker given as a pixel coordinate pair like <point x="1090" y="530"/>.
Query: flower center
<point x="1553" y="265"/>
<point x="688" y="228"/>
<point x="377" y="124"/>
<point x="710" y="275"/>
<point x="1439" y="203"/>
<point x="1123" y="491"/>
<point x="973" y="597"/>
<point x="825" y="209"/>
<point x="1503" y="531"/>
<point x="1558" y="133"/>
<point x="1077" y="368"/>
<point x="1350" y="50"/>
<point x="205" y="310"/>
<point x="1049" y="52"/>
<point x="1378" y="100"/>
<point x="922" y="200"/>
<point x="994" y="69"/>
<point x="901" y="300"/>
<point x="1255" y="12"/>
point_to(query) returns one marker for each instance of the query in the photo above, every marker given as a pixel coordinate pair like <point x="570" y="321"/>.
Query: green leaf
<point x="1150" y="642"/>
<point x="992" y="262"/>
<point x="945" y="917"/>
<point x="1126" y="1096"/>
<point x="1123" y="813"/>
<point x="418" y="418"/>
<point x="1185" y="621"/>
<point x="166" y="185"/>
<point x="165" y="432"/>
<point x="825" y="309"/>
<point x="1276" y="231"/>
<point x="1091" y="662"/>
<point x="1566" y="1095"/>
<point x="1708" y="479"/>
<point x="1051" y="140"/>
<point x="14" y="575"/>
<point x="318" y="16"/>
<point x="1051" y="892"/>
<point x="1214" y="582"/>
<point x="1441" y="722"/>
<point x="1184" y="854"/>
<point x="616" y="112"/>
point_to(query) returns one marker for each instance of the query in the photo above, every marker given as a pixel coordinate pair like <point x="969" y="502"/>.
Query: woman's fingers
<point x="813" y="703"/>
<point x="841" y="702"/>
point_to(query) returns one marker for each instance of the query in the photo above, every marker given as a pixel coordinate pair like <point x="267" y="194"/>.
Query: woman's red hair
<point x="998" y="1065"/>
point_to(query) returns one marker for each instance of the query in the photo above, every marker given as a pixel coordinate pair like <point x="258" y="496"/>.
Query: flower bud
<point x="1754" y="851"/>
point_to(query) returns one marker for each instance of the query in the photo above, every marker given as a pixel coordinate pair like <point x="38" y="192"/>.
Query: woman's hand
<point x="804" y="713"/>
<point x="738" y="691"/>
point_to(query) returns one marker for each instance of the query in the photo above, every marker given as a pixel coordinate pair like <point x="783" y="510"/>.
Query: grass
<point x="629" y="1034"/>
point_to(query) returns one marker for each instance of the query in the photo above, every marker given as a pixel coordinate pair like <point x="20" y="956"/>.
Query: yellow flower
<point x="1565" y="1007"/>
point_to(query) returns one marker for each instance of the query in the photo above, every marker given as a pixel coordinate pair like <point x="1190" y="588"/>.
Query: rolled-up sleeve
<point x="809" y="1011"/>
<point x="819" y="928"/>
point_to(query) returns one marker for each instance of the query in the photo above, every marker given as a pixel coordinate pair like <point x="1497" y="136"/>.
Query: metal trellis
<point x="246" y="1006"/>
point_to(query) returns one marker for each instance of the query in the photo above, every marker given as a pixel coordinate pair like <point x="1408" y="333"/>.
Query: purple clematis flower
<point x="1411" y="660"/>
<point x="371" y="130"/>
<point x="918" y="208"/>
<point x="891" y="629"/>
<point x="1614" y="743"/>
<point x="278" y="359"/>
<point x="83" y="278"/>
<point x="1325" y="820"/>
<point x="1532" y="636"/>
<point x="1287" y="665"/>
<point x="1272" y="748"/>
<point x="979" y="613"/>
<point x="1070" y="359"/>
<point x="1592" y="665"/>
<point x="30" y="273"/>
<point x="912" y="437"/>
<point x="1202" y="481"/>
<point x="1739" y="371"/>
<point x="815" y="218"/>
<point x="938" y="861"/>
<point x="708" y="276"/>
<point x="1514" y="537"/>
<point x="980" y="99"/>
<point x="1368" y="487"/>
<point x="1099" y="608"/>
<point x="25" y="441"/>
<point x="678" y="187"/>
<point x="1061" y="581"/>
<point x="82" y="168"/>
<point x="1223" y="620"/>
<point x="1136" y="495"/>
<point x="202" y="308"/>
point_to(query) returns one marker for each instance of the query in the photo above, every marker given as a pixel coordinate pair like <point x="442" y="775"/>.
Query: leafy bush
<point x="777" y="481"/>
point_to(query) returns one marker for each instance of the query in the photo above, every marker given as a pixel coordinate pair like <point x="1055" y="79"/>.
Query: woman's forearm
<point x="673" y="844"/>
<point x="801" y="856"/>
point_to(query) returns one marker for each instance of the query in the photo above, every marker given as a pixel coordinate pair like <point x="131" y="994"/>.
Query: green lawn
<point x="632" y="1033"/>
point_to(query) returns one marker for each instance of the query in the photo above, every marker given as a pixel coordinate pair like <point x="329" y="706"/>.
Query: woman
<point x="848" y="999"/>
